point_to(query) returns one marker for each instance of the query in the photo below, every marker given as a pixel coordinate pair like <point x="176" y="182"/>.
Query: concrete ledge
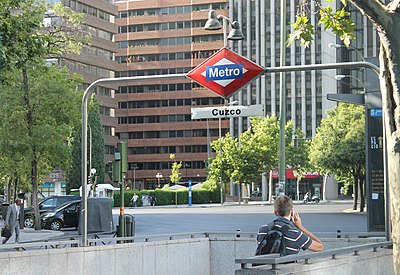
<point x="367" y="262"/>
<point x="195" y="256"/>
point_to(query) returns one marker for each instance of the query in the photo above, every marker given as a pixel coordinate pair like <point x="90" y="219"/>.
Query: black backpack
<point x="273" y="241"/>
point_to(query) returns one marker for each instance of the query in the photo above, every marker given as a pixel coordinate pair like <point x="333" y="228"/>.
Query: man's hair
<point x="283" y="205"/>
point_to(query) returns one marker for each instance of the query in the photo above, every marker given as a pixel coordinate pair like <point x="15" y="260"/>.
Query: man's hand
<point x="295" y="217"/>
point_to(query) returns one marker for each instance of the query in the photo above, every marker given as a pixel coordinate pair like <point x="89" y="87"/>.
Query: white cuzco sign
<point x="228" y="111"/>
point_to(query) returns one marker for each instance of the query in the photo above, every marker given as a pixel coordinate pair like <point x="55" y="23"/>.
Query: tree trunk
<point x="362" y="195"/>
<point x="29" y="123"/>
<point x="391" y="104"/>
<point x="355" y="194"/>
<point x="384" y="18"/>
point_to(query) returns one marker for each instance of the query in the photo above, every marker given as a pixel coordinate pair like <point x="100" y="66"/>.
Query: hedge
<point x="167" y="197"/>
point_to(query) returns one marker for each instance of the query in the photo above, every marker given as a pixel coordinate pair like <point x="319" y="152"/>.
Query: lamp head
<point x="212" y="22"/>
<point x="235" y="33"/>
<point x="339" y="76"/>
<point x="334" y="45"/>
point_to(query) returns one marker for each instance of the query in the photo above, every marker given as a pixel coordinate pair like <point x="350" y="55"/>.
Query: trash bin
<point x="4" y="208"/>
<point x="129" y="225"/>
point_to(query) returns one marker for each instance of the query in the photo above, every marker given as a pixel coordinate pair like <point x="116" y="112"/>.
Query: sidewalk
<point x="31" y="235"/>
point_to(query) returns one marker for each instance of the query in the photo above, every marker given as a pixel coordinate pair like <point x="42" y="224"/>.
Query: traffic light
<point x="122" y="148"/>
<point x="109" y="166"/>
<point x="116" y="171"/>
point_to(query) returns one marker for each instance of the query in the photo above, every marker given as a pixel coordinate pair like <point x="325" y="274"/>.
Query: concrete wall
<point x="197" y="256"/>
<point x="175" y="257"/>
<point x="368" y="262"/>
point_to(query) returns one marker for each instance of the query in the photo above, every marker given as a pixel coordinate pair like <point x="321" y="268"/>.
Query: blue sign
<point x="190" y="192"/>
<point x="47" y="184"/>
<point x="224" y="72"/>
<point x="375" y="112"/>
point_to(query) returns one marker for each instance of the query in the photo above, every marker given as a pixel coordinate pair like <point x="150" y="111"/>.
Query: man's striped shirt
<point x="295" y="239"/>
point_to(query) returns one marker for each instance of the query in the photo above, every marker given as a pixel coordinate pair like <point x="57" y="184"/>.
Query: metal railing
<point x="41" y="245"/>
<point x="275" y="259"/>
<point x="111" y="240"/>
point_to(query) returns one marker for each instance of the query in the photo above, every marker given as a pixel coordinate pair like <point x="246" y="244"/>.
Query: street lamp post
<point x="214" y="24"/>
<point x="159" y="177"/>
<point x="282" y="101"/>
<point x="187" y="165"/>
<point x="337" y="46"/>
<point x="134" y="175"/>
<point x="234" y="34"/>
<point x="342" y="76"/>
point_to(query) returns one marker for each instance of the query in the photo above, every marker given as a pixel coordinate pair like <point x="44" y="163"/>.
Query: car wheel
<point x="55" y="225"/>
<point x="29" y="222"/>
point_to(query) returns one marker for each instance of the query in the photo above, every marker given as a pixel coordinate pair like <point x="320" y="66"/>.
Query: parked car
<point x="46" y="205"/>
<point x="65" y="215"/>
<point x="256" y="196"/>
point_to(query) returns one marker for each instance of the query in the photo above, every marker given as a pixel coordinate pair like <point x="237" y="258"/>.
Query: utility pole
<point x="122" y="150"/>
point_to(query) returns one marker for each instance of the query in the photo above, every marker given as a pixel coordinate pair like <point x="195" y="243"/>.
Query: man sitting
<point x="295" y="235"/>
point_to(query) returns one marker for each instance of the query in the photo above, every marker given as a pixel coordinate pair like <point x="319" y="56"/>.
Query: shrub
<point x="167" y="197"/>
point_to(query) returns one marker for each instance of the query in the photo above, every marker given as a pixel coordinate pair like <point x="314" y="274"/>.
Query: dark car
<point x="65" y="215"/>
<point x="46" y="205"/>
<point x="256" y="196"/>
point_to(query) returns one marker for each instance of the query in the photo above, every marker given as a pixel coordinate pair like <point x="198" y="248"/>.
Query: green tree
<point x="74" y="173"/>
<point x="27" y="39"/>
<point x="383" y="15"/>
<point x="257" y="152"/>
<point x="39" y="147"/>
<point x="223" y="165"/>
<point x="176" y="174"/>
<point x="339" y="147"/>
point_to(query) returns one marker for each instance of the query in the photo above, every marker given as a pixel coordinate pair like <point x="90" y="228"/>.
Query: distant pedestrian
<point x="153" y="199"/>
<point x="342" y="192"/>
<point x="134" y="200"/>
<point x="12" y="220"/>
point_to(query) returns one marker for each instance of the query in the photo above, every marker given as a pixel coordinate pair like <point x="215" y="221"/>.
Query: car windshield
<point x="62" y="206"/>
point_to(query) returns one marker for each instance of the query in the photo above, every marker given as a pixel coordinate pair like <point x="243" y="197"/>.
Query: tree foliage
<point x="74" y="175"/>
<point x="176" y="174"/>
<point x="384" y="15"/>
<point x="339" y="146"/>
<point x="31" y="32"/>
<point x="256" y="152"/>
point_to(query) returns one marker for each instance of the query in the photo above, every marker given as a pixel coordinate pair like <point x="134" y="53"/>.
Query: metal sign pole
<point x="84" y="110"/>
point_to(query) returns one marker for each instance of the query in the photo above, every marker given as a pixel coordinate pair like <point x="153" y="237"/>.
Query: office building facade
<point x="97" y="60"/>
<point x="160" y="37"/>
<point x="154" y="117"/>
<point x="306" y="91"/>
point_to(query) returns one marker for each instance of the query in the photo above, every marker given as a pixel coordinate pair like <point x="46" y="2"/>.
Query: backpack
<point x="273" y="241"/>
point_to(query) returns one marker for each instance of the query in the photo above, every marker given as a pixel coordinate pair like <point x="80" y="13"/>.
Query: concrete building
<point x="163" y="38"/>
<point x="306" y="92"/>
<point x="154" y="118"/>
<point x="98" y="60"/>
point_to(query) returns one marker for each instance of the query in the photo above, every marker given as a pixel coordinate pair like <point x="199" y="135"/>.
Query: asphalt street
<point x="324" y="218"/>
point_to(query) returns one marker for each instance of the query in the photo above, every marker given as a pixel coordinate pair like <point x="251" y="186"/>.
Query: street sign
<point x="228" y="111"/>
<point x="225" y="72"/>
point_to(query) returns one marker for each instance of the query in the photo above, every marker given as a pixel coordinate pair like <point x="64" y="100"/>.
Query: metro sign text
<point x="232" y="71"/>
<point x="227" y="111"/>
<point x="225" y="72"/>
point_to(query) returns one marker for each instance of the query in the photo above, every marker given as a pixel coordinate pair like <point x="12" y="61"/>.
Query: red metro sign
<point x="225" y="72"/>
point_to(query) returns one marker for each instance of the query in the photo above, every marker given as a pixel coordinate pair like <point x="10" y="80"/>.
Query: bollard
<point x="338" y="234"/>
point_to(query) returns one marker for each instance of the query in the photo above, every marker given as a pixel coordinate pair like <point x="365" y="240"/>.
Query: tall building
<point x="95" y="61"/>
<point x="161" y="37"/>
<point x="98" y="60"/>
<point x="306" y="91"/>
<point x="165" y="37"/>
